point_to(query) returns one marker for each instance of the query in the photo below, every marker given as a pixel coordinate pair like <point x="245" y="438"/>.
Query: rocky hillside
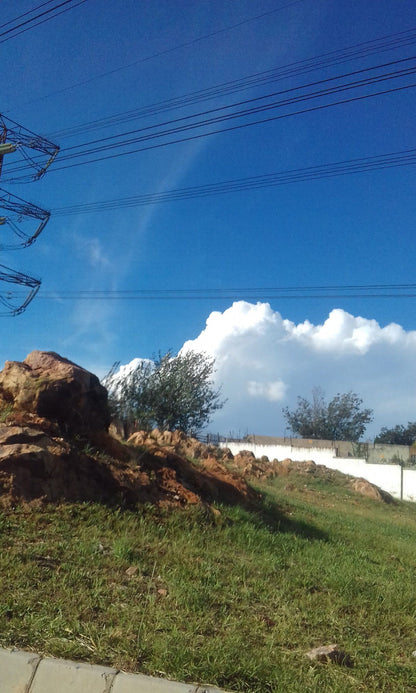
<point x="55" y="446"/>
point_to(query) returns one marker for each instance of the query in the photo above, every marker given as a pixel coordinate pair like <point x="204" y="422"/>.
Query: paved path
<point x="27" y="672"/>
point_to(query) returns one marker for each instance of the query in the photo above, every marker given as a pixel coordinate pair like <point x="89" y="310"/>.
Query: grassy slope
<point x="234" y="599"/>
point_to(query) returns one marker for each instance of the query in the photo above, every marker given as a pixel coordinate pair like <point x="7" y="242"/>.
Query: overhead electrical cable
<point x="366" y="291"/>
<point x="167" y="50"/>
<point x="272" y="75"/>
<point x="219" y="109"/>
<point x="193" y="122"/>
<point x="16" y="179"/>
<point x="25" y="14"/>
<point x="214" y="132"/>
<point x="296" y="99"/>
<point x="341" y="168"/>
<point x="14" y="32"/>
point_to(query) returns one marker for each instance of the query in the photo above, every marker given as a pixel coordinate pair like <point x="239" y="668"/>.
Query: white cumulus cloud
<point x="265" y="361"/>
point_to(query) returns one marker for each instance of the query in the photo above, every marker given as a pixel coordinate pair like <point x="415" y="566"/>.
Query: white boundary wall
<point x="386" y="476"/>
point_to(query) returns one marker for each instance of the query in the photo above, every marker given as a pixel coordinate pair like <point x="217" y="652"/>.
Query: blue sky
<point x="100" y="59"/>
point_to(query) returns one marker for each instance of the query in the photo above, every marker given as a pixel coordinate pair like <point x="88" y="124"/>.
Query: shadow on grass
<point x="269" y="515"/>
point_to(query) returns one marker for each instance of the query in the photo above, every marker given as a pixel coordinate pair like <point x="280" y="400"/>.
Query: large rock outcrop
<point x="54" y="446"/>
<point x="51" y="387"/>
<point x="36" y="465"/>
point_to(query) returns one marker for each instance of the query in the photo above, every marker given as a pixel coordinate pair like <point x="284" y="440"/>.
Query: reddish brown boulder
<point x="365" y="488"/>
<point x="35" y="465"/>
<point x="244" y="456"/>
<point x="52" y="387"/>
<point x="288" y="466"/>
<point x="179" y="443"/>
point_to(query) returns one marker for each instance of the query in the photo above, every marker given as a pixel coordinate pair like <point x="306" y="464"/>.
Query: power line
<point x="365" y="291"/>
<point x="25" y="14"/>
<point x="167" y="50"/>
<point x="221" y="109"/>
<point x="254" y="297"/>
<point x="230" y="129"/>
<point x="341" y="168"/>
<point x="217" y="116"/>
<point x="272" y="75"/>
<point x="14" y="29"/>
<point x="223" y="130"/>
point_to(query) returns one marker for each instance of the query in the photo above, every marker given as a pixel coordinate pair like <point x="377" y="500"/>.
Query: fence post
<point x="401" y="479"/>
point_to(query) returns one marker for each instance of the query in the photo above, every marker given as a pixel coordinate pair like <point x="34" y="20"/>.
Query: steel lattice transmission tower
<point x="21" y="222"/>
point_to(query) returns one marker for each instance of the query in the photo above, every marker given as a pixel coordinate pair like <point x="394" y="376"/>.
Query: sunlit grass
<point x="234" y="600"/>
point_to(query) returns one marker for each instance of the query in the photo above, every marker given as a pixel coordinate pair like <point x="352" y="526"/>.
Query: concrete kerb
<point x="53" y="675"/>
<point x="17" y="670"/>
<point x="27" y="672"/>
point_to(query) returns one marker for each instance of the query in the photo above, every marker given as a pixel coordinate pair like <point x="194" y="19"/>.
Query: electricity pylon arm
<point x="5" y="148"/>
<point x="37" y="152"/>
<point x="20" y="211"/>
<point x="9" y="298"/>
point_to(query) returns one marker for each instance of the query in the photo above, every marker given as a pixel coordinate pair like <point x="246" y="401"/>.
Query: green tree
<point x="172" y="392"/>
<point x="343" y="418"/>
<point x="399" y="435"/>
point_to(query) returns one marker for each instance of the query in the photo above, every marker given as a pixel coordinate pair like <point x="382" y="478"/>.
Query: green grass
<point x="5" y="412"/>
<point x="234" y="600"/>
